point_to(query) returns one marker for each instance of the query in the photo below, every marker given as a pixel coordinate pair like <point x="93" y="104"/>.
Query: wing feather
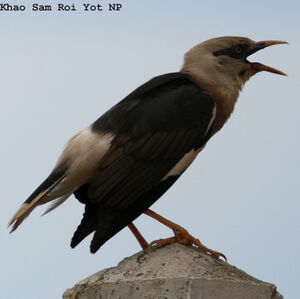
<point x="41" y="194"/>
<point x="154" y="128"/>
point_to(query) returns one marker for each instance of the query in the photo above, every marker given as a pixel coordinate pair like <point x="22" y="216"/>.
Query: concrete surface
<point x="174" y="271"/>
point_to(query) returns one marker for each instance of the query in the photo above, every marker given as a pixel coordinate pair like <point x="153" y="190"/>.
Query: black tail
<point x="53" y="177"/>
<point x="39" y="196"/>
<point x="107" y="221"/>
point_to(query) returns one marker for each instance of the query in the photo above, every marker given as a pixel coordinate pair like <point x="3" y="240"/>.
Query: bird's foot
<point x="182" y="236"/>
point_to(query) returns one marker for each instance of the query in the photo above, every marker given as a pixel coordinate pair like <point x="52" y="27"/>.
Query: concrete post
<point x="172" y="272"/>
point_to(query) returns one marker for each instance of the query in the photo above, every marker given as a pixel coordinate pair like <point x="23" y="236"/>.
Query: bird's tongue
<point x="261" y="67"/>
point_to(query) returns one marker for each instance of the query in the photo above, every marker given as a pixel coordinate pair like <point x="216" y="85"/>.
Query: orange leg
<point x="144" y="244"/>
<point x="181" y="236"/>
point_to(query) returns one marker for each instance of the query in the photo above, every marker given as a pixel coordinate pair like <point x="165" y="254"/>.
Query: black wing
<point x="154" y="127"/>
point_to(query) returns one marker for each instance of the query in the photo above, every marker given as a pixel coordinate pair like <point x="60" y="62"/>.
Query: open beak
<point x="258" y="67"/>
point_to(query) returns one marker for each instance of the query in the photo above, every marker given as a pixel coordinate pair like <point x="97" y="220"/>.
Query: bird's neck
<point x="224" y="93"/>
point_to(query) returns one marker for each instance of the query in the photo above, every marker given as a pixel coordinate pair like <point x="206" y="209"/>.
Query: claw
<point x="183" y="237"/>
<point x="211" y="252"/>
<point x="162" y="242"/>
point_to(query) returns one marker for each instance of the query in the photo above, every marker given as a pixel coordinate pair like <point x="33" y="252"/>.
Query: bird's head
<point x="223" y="61"/>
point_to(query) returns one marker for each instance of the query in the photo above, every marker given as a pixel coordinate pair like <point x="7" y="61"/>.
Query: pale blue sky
<point x="60" y="72"/>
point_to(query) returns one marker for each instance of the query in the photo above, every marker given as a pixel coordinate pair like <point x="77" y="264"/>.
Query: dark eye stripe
<point x="234" y="52"/>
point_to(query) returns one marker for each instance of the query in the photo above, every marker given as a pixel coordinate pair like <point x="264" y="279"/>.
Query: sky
<point x="61" y="70"/>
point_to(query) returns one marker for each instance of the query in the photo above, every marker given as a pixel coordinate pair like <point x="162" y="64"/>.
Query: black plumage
<point x="154" y="127"/>
<point x="121" y="164"/>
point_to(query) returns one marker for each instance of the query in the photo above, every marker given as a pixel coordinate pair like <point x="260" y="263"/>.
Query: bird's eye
<point x="238" y="50"/>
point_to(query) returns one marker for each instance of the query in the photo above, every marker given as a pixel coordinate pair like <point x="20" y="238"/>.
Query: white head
<point x="222" y="61"/>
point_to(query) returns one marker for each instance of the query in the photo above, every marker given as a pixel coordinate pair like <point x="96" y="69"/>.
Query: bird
<point x="129" y="157"/>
